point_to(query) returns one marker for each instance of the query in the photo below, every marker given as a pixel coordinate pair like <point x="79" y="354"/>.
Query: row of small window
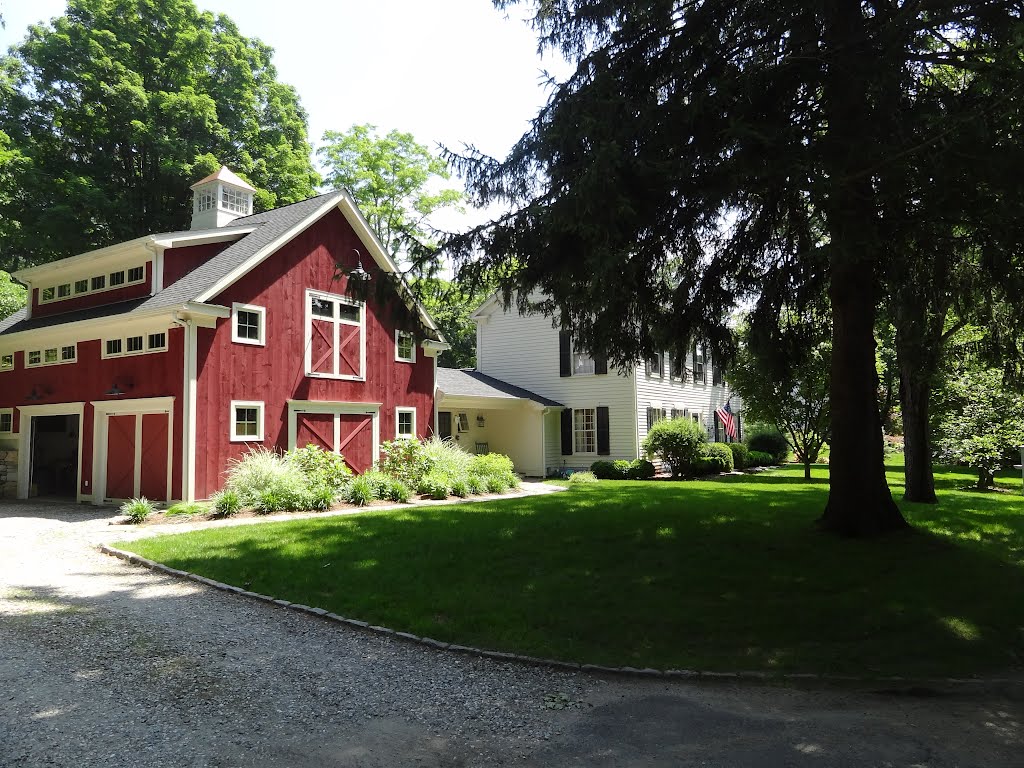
<point x="247" y="421"/>
<point x="118" y="279"/>
<point x="654" y="415"/>
<point x="655" y="368"/>
<point x="230" y="199"/>
<point x="132" y="345"/>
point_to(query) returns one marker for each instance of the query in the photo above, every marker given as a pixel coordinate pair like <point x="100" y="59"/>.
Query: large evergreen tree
<point x="119" y="105"/>
<point x="704" y="152"/>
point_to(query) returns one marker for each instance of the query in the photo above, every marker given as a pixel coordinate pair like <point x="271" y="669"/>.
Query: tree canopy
<point x="394" y="181"/>
<point x="119" y="105"/>
<point x="730" y="150"/>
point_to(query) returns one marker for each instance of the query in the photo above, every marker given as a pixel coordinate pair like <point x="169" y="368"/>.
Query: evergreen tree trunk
<point x="915" y="395"/>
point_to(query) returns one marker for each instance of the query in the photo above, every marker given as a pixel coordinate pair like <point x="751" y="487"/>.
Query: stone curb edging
<point x="571" y="666"/>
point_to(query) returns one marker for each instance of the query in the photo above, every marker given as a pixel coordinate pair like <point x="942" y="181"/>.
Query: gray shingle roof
<point x="467" y="383"/>
<point x="17" y="322"/>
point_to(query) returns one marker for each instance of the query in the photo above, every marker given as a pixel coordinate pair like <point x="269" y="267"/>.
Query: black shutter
<point x="716" y="373"/>
<point x="564" y="356"/>
<point x="600" y="364"/>
<point x="604" y="443"/>
<point x="718" y="421"/>
<point x="567" y="432"/>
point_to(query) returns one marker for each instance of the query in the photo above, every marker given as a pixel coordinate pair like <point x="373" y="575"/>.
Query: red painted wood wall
<point x="178" y="262"/>
<point x="275" y="373"/>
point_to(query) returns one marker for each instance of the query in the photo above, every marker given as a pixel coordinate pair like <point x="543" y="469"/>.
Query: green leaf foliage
<point x="678" y="442"/>
<point x="12" y="295"/>
<point x="117" y="106"/>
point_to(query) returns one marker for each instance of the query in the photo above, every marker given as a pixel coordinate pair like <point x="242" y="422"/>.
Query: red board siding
<point x="316" y="429"/>
<point x="88" y="380"/>
<point x="85" y="301"/>
<point x="275" y="373"/>
<point x="153" y="478"/>
<point x="121" y="457"/>
<point x="178" y="262"/>
<point x="356" y="440"/>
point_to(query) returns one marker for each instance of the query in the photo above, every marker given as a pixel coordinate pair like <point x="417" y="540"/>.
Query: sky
<point x="448" y="71"/>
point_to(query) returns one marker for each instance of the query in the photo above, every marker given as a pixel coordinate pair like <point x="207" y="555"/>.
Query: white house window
<point x="405" y="422"/>
<point x="655" y="365"/>
<point x="699" y="375"/>
<point x="6" y="421"/>
<point x="156" y="342"/>
<point x="335" y="337"/>
<point x="117" y="278"/>
<point x="246" y="420"/>
<point x="677" y="367"/>
<point x="6" y="362"/>
<point x="234" y="200"/>
<point x="136" y="274"/>
<point x="582" y="363"/>
<point x="248" y="326"/>
<point x="584" y="424"/>
<point x="405" y="347"/>
<point x="205" y="200"/>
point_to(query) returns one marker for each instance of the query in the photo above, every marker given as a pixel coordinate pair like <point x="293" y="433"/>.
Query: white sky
<point x="447" y="71"/>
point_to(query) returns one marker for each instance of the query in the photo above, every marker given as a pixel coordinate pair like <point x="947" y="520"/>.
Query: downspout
<point x="188" y="416"/>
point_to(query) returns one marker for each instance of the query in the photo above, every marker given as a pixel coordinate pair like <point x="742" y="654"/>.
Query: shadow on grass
<point x="704" y="574"/>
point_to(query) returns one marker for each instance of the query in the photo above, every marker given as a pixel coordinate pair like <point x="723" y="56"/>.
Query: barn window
<point x="157" y="342"/>
<point x="6" y="421"/>
<point x="405" y="347"/>
<point x="249" y="324"/>
<point x="6" y="362"/>
<point x="117" y="278"/>
<point x="335" y="336"/>
<point x="99" y="283"/>
<point x="63" y="291"/>
<point x="246" y="421"/>
<point x="81" y="286"/>
<point x="405" y="422"/>
<point x="136" y="274"/>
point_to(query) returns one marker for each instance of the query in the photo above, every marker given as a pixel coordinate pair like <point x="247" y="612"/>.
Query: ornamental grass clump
<point x="137" y="510"/>
<point x="581" y="478"/>
<point x="267" y="482"/>
<point x="226" y="503"/>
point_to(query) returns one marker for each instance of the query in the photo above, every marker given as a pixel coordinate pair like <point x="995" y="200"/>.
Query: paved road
<point x="102" y="663"/>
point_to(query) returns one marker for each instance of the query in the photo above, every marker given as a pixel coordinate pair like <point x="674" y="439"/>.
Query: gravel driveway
<point x="102" y="663"/>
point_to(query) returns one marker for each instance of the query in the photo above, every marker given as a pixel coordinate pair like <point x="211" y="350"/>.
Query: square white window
<point x="136" y="274"/>
<point x="246" y="421"/>
<point x="113" y="347"/>
<point x="117" y="278"/>
<point x="248" y="324"/>
<point x="99" y="283"/>
<point x="63" y="291"/>
<point x="156" y="341"/>
<point x="7" y="362"/>
<point x="582" y="363"/>
<point x="133" y="344"/>
<point x="205" y="200"/>
<point x="6" y="421"/>
<point x="35" y="357"/>
<point x="405" y="422"/>
<point x="81" y="286"/>
<point x="405" y="347"/>
<point x="68" y="353"/>
<point x="584" y="421"/>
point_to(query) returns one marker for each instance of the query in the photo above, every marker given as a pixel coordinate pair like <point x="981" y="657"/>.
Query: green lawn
<point x="725" y="574"/>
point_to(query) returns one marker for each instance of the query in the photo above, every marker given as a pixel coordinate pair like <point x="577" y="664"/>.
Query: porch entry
<point x="134" y="449"/>
<point x="349" y="429"/>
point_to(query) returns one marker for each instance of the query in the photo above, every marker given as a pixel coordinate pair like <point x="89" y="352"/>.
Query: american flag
<point x="725" y="414"/>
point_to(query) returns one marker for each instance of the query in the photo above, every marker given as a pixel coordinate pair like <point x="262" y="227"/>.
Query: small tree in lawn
<point x="678" y="442"/>
<point x="982" y="425"/>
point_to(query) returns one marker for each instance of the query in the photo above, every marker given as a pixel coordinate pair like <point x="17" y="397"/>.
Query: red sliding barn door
<point x="121" y="457"/>
<point x="355" y="440"/>
<point x="315" y="428"/>
<point x="153" y="457"/>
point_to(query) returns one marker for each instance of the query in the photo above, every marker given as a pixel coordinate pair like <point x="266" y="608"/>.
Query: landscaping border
<point x="895" y="683"/>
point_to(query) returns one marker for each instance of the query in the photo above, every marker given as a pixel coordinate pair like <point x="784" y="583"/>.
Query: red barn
<point x="143" y="368"/>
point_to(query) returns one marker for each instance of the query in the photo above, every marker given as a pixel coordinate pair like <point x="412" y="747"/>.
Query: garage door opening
<point x="54" y="457"/>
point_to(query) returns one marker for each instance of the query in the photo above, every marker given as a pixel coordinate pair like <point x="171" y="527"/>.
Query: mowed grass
<point x="725" y="574"/>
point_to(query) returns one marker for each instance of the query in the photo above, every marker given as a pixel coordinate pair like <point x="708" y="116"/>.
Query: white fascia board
<point x="484" y="310"/>
<point x="266" y="251"/>
<point x="202" y="237"/>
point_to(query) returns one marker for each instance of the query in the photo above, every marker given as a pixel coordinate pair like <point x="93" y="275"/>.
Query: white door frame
<point x="335" y="408"/>
<point x="142" y="406"/>
<point x="29" y="412"/>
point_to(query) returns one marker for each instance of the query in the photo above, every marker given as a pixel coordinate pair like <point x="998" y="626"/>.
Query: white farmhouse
<point x="552" y="408"/>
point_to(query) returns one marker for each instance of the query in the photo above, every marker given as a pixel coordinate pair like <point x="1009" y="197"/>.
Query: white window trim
<point x="405" y="409"/>
<point x="90" y="290"/>
<point x="260" y="419"/>
<point x="10" y="367"/>
<point x="574" y="431"/>
<point x="146" y="349"/>
<point x="412" y="346"/>
<point x="42" y="356"/>
<point x="4" y="412"/>
<point x="261" y="312"/>
<point x="310" y="294"/>
<point x="660" y="373"/>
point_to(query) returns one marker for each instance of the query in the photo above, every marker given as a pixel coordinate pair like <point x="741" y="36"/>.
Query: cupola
<point x="219" y="199"/>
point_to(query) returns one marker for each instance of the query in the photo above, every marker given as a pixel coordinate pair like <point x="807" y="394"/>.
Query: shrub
<point x="320" y="499"/>
<point x="359" y="491"/>
<point x="679" y="442"/>
<point x="578" y="478"/>
<point x="491" y="464"/>
<point x="739" y="455"/>
<point x="379" y="483"/>
<point x="769" y="440"/>
<point x="137" y="510"/>
<point x="186" y="508"/>
<point x="476" y="485"/>
<point x="709" y="465"/>
<point x="606" y="470"/>
<point x="446" y="458"/>
<point x="404" y="460"/>
<point x="759" y="459"/>
<point x="638" y="469"/>
<point x="226" y="503"/>
<point x="322" y="470"/>
<point x="460" y="488"/>
<point x="497" y="483"/>
<point x="435" y="484"/>
<point x="267" y="481"/>
<point x="397" y="491"/>
<point x="721" y="450"/>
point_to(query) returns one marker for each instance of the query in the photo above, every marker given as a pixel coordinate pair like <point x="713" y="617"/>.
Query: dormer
<point x="219" y="199"/>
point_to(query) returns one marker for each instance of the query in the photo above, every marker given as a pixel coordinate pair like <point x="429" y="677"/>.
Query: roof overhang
<point x="480" y="402"/>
